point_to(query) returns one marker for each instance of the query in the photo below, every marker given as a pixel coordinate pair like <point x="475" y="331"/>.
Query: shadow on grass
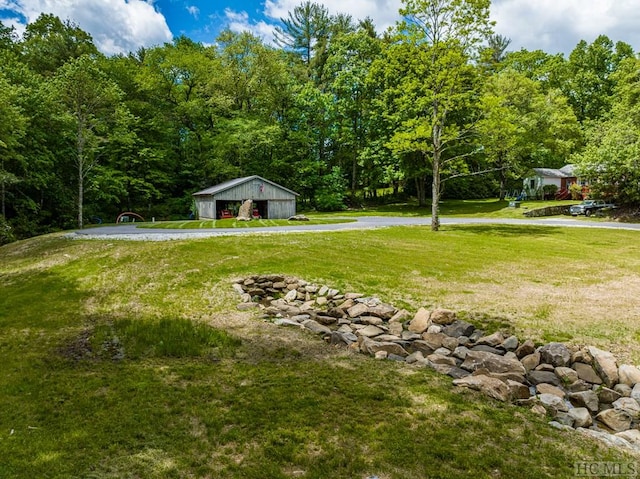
<point x="507" y="230"/>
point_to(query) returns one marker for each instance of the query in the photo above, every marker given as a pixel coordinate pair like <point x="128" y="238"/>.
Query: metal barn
<point x="270" y="200"/>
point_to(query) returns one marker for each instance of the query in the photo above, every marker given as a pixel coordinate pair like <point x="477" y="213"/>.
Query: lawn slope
<point x="129" y="359"/>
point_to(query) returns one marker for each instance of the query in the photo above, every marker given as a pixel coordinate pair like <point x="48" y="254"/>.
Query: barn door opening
<point x="261" y="206"/>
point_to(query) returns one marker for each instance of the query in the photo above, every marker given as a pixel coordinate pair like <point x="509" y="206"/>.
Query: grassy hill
<point x="129" y="359"/>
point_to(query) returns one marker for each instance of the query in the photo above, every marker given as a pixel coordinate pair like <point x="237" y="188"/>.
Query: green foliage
<point x="576" y="191"/>
<point x="610" y="159"/>
<point x="330" y="196"/>
<point x="549" y="191"/>
<point x="6" y="234"/>
<point x="438" y="97"/>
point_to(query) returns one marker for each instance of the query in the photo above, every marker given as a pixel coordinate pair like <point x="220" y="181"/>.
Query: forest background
<point x="437" y="107"/>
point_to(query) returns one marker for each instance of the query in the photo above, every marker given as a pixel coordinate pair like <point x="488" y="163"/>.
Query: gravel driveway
<point x="132" y="232"/>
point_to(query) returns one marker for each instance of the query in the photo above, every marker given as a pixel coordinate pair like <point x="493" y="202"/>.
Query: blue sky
<point x="121" y="26"/>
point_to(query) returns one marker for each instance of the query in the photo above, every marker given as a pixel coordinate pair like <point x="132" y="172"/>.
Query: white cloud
<point x="550" y="25"/>
<point x="240" y="22"/>
<point x="117" y="26"/>
<point x="558" y="25"/>
<point x="193" y="11"/>
<point x="384" y="13"/>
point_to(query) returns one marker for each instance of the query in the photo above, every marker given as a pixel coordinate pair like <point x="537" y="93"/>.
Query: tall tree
<point x="350" y="60"/>
<point x="305" y="32"/>
<point x="523" y="127"/>
<point x="450" y="32"/>
<point x="611" y="159"/>
<point x="89" y="99"/>
<point x="589" y="85"/>
<point x="48" y="43"/>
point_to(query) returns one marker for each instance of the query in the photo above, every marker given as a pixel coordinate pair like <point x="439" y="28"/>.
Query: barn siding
<point x="281" y="209"/>
<point x="281" y="203"/>
<point x="251" y="191"/>
<point x="205" y="206"/>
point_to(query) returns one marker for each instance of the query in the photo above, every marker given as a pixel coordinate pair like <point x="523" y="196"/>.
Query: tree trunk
<point x="503" y="181"/>
<point x="80" y="141"/>
<point x="80" y="197"/>
<point x="437" y="157"/>
<point x="435" y="192"/>
<point x="421" y="190"/>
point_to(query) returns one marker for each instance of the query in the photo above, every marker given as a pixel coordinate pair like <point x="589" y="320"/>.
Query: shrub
<point x="549" y="191"/>
<point x="576" y="191"/>
<point x="330" y="196"/>
<point x="6" y="232"/>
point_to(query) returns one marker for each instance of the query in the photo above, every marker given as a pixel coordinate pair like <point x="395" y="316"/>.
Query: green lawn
<point x="129" y="359"/>
<point x="491" y="208"/>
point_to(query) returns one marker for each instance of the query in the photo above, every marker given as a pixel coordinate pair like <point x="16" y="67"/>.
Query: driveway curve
<point x="132" y="232"/>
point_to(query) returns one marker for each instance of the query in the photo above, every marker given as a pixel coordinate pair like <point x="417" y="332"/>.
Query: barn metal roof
<point x="227" y="185"/>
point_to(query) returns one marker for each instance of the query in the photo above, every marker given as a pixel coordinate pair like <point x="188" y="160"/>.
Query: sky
<point x="123" y="26"/>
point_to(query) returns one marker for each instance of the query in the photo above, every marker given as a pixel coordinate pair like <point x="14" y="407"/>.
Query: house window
<point x="532" y="184"/>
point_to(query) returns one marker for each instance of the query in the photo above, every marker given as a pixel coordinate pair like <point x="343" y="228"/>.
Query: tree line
<point x="437" y="106"/>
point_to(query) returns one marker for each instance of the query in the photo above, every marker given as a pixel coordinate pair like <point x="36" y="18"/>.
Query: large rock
<point x="511" y="343"/>
<point x="635" y="392"/>
<point x="614" y="419"/>
<point x="530" y="361"/>
<point x="632" y="435"/>
<point x="423" y="346"/>
<point x="587" y="373"/>
<point x="420" y="322"/>
<point x="383" y="311"/>
<point x="359" y="309"/>
<point x="605" y="365"/>
<point x="518" y="390"/>
<point x="608" y="396"/>
<point x="566" y="375"/>
<point x="526" y="348"/>
<point x="245" y="212"/>
<point x="458" y="328"/>
<point x="369" y="346"/>
<point x="370" y="331"/>
<point x="608" y="439"/>
<point x="556" y="354"/>
<point x="434" y="340"/>
<point x="629" y="406"/>
<point x="544" y="388"/>
<point x="492" y="362"/>
<point x="492" y="387"/>
<point x="316" y="327"/>
<point x="539" y="377"/>
<point x="493" y="340"/>
<point x="443" y="316"/>
<point x="553" y="403"/>
<point x="581" y="417"/>
<point x="629" y="375"/>
<point x="588" y="399"/>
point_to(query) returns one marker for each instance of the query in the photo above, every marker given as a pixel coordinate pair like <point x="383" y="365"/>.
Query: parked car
<point x="589" y="207"/>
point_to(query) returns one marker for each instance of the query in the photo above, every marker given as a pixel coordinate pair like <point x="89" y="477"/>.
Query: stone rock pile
<point x="580" y="388"/>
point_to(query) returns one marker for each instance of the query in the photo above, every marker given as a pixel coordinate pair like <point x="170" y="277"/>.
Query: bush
<point x="549" y="191"/>
<point x="330" y="197"/>
<point x="6" y="232"/>
<point x="576" y="191"/>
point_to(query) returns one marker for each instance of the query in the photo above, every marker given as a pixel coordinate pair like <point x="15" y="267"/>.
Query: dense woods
<point x="436" y="107"/>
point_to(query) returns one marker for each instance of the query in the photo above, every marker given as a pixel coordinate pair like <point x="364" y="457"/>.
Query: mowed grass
<point x="233" y="223"/>
<point x="487" y="208"/>
<point x="129" y="359"/>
